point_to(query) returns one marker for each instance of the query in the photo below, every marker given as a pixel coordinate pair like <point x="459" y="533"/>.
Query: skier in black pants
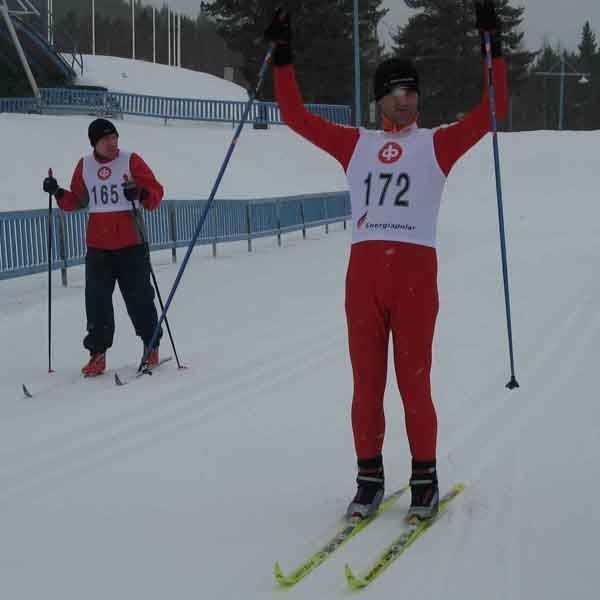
<point x="107" y="182"/>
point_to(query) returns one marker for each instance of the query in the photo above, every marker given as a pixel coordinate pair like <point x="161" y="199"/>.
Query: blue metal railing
<point x="117" y="103"/>
<point x="19" y="105"/>
<point x="24" y="234"/>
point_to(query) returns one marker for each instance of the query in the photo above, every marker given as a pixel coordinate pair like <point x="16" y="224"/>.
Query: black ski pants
<point x="130" y="267"/>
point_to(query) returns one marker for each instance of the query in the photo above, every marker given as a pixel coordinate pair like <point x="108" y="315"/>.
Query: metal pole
<point x="545" y="106"/>
<point x="133" y="29"/>
<point x="512" y="384"/>
<point x="93" y="27"/>
<point x="357" y="114"/>
<point x="50" y="279"/>
<point x="169" y="34"/>
<point x="253" y="94"/>
<point x="19" y="48"/>
<point x="561" y="106"/>
<point x="153" y="34"/>
<point x="174" y="38"/>
<point x="137" y="217"/>
<point x="179" y="41"/>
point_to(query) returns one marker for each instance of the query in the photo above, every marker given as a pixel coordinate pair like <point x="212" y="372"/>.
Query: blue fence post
<point x="172" y="217"/>
<point x="249" y="225"/>
<point x="62" y="247"/>
<point x="278" y="213"/>
<point x="303" y="219"/>
<point x="213" y="219"/>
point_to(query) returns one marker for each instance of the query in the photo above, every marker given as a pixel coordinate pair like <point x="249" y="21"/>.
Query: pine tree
<point x="322" y="42"/>
<point x="587" y="93"/>
<point x="588" y="47"/>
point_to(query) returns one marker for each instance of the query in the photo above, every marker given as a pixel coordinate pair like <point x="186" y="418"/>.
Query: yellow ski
<point x="400" y="544"/>
<point x="348" y="531"/>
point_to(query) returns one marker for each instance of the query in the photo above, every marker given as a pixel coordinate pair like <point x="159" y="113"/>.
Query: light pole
<point x="153" y="34"/>
<point x="93" y="27"/>
<point x="357" y="115"/>
<point x="50" y="23"/>
<point x="133" y="29"/>
<point x="5" y="12"/>
<point x="563" y="74"/>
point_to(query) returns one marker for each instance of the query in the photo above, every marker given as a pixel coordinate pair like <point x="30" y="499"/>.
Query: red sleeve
<point x="151" y="191"/>
<point x="77" y="196"/>
<point x="337" y="140"/>
<point x="452" y="142"/>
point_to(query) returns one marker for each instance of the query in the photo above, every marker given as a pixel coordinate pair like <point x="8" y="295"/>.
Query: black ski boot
<point x="424" y="491"/>
<point x="370" y="490"/>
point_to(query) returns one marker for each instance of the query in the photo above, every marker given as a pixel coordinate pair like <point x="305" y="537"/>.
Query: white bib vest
<point x="396" y="187"/>
<point x="104" y="182"/>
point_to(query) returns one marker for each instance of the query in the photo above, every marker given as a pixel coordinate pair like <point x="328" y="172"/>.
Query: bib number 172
<point x="401" y="187"/>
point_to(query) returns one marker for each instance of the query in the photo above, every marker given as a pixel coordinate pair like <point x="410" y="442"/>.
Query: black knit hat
<point x="99" y="128"/>
<point x="395" y="72"/>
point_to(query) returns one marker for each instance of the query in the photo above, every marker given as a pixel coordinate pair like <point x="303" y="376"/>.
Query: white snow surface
<point x="190" y="484"/>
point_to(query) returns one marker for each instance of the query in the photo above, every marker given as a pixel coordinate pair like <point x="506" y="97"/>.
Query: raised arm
<point x="454" y="141"/>
<point x="336" y="140"/>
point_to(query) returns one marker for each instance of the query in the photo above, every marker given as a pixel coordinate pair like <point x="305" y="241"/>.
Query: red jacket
<point x="115" y="230"/>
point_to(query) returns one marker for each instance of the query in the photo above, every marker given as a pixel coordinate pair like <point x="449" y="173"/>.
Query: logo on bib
<point x="104" y="173"/>
<point x="390" y="153"/>
<point x="362" y="221"/>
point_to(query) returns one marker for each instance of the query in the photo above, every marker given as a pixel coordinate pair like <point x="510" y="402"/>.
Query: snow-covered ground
<point x="190" y="484"/>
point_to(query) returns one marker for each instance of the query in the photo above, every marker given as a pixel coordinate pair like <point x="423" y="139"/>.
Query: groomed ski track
<point x="191" y="484"/>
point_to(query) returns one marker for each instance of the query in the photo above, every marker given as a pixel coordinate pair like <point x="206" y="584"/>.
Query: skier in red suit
<point x="108" y="182"/>
<point x="396" y="177"/>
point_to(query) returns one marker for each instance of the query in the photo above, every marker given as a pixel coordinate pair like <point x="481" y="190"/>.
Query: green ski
<point x="348" y="531"/>
<point x="400" y="544"/>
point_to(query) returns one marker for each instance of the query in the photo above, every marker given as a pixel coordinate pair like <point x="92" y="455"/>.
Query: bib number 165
<point x="106" y="194"/>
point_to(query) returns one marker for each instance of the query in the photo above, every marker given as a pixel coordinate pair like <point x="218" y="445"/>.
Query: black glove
<point x="130" y="189"/>
<point x="279" y="32"/>
<point x="486" y="20"/>
<point x="50" y="185"/>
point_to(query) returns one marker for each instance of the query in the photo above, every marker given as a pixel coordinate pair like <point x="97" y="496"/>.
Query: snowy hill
<point x="154" y="79"/>
<point x="190" y="484"/>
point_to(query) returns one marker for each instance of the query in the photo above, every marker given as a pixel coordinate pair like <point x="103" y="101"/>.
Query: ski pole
<point x="137" y="217"/>
<point x="50" y="370"/>
<point x="253" y="94"/>
<point x="512" y="384"/>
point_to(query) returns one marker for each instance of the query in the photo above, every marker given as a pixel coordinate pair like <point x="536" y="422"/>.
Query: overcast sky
<point x="559" y="20"/>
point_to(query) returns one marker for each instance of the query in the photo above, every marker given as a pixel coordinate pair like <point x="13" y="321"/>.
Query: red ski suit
<point x="391" y="286"/>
